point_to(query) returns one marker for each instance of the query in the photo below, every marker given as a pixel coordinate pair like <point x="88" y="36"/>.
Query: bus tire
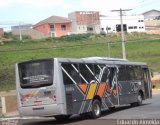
<point x="96" y="109"/>
<point x="112" y="108"/>
<point x="139" y="98"/>
<point x="62" y="117"/>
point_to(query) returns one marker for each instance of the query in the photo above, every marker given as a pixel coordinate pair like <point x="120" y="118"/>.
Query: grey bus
<point x="61" y="87"/>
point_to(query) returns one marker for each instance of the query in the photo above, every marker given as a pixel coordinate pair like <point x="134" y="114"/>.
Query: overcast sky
<point x="32" y="11"/>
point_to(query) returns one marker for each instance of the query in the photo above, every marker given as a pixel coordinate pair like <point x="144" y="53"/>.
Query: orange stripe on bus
<point x="101" y="89"/>
<point x="91" y="91"/>
<point x="83" y="87"/>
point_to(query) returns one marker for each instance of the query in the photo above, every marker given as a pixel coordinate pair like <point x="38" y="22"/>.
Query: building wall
<point x="1" y="32"/>
<point x="87" y="17"/>
<point x="58" y="30"/>
<point x="152" y="23"/>
<point x="82" y="21"/>
<point x="45" y="29"/>
<point x="133" y="23"/>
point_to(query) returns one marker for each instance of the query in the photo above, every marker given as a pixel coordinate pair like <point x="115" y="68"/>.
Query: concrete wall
<point x="8" y="102"/>
<point x="30" y="32"/>
<point x="152" y="23"/>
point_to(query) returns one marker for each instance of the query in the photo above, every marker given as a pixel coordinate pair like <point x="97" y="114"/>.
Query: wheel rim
<point x="96" y="109"/>
<point x="139" y="99"/>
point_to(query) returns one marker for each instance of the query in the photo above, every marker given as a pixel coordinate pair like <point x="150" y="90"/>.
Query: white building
<point x="130" y="23"/>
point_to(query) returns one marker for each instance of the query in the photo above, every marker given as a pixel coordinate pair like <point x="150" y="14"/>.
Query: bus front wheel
<point x="96" y="109"/>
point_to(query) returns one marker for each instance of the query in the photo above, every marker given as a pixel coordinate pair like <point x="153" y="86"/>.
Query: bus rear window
<point x="36" y="73"/>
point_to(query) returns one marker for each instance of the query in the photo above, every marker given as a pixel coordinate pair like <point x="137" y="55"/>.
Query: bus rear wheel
<point x="96" y="109"/>
<point x="139" y="101"/>
<point x="139" y="98"/>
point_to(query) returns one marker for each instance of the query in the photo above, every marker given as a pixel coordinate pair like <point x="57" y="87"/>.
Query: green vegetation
<point x="140" y="47"/>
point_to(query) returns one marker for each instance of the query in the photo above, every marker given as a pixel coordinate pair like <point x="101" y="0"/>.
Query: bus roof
<point x="101" y="60"/>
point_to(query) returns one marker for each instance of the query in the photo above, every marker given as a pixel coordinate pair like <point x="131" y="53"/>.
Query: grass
<point x="2" y="116"/>
<point x="140" y="47"/>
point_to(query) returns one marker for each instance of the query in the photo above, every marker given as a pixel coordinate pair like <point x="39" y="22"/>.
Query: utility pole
<point x="122" y="31"/>
<point x="20" y="32"/>
<point x="109" y="54"/>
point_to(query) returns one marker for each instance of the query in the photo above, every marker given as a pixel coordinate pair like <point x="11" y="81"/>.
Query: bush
<point x="74" y="37"/>
<point x="9" y="35"/>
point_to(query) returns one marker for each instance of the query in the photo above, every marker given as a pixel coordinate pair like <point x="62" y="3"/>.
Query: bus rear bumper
<point x="42" y="110"/>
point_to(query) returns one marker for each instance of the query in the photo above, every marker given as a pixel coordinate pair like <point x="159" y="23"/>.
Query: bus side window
<point x="130" y="73"/>
<point x="86" y="71"/>
<point x="138" y="72"/>
<point x="105" y="74"/>
<point x="111" y="75"/>
<point x="98" y="71"/>
<point x="70" y="75"/>
<point x="122" y="73"/>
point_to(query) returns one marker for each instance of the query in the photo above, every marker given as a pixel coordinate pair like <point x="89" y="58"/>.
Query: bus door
<point x="114" y="92"/>
<point x="147" y="82"/>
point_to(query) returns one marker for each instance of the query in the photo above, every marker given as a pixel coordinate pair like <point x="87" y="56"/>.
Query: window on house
<point x="63" y="27"/>
<point x="108" y="28"/>
<point x="135" y="27"/>
<point x="89" y="28"/>
<point x="102" y="29"/>
<point x="130" y="27"/>
<point x="52" y="27"/>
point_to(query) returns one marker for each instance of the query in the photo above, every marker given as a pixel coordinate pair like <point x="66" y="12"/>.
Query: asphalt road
<point x="148" y="113"/>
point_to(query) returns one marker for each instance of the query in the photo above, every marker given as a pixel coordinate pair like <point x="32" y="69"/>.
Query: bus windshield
<point x="36" y="73"/>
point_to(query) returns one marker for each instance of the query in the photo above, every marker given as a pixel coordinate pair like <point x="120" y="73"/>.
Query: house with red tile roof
<point x="55" y="26"/>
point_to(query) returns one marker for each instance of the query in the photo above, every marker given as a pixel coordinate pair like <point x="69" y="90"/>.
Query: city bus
<point x="62" y="87"/>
